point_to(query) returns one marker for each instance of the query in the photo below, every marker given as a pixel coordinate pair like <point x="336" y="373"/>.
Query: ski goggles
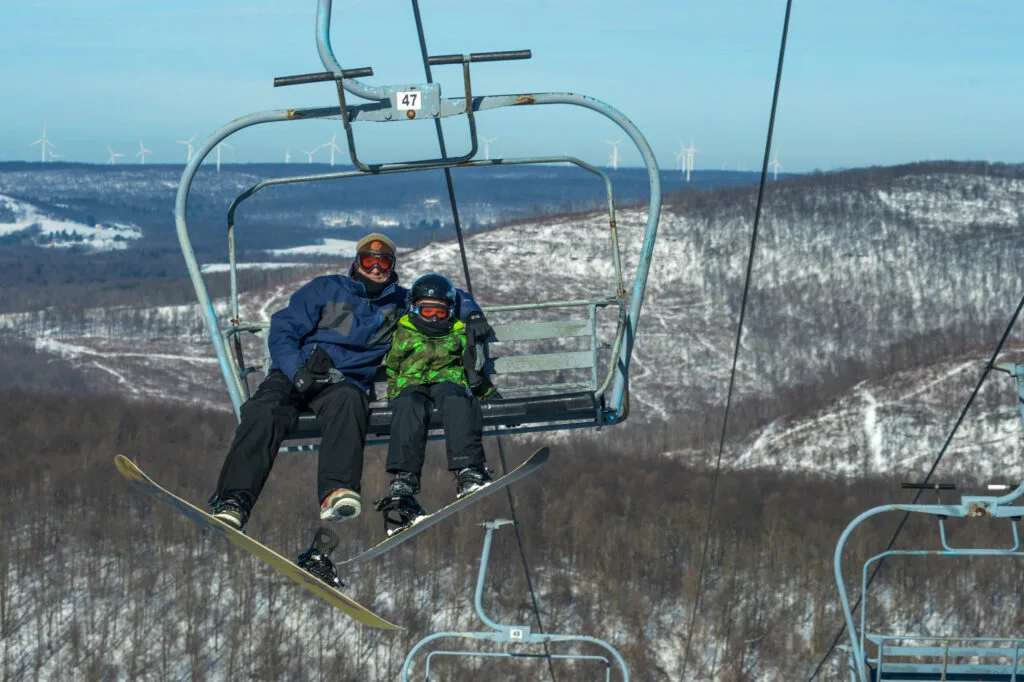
<point x="369" y="260"/>
<point x="432" y="311"/>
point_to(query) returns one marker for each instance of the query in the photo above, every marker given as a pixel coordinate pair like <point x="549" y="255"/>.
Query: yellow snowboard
<point x="239" y="539"/>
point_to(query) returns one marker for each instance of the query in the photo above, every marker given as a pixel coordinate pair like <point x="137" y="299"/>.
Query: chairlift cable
<point x="942" y="452"/>
<point x="469" y="288"/>
<point x="739" y="335"/>
<point x="522" y="555"/>
<point x="444" y="150"/>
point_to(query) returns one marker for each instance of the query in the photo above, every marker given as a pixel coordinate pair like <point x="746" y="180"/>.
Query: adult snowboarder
<point x="325" y="346"/>
<point x="432" y="363"/>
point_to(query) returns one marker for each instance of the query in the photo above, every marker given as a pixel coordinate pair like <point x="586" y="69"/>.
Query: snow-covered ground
<point x="19" y="216"/>
<point x="226" y="267"/>
<point x="327" y="247"/>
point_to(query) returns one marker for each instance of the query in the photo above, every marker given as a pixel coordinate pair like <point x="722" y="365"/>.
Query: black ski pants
<point x="342" y="409"/>
<point x="460" y="416"/>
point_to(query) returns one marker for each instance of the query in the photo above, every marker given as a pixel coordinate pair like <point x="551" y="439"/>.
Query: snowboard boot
<point x="399" y="507"/>
<point x="341" y="505"/>
<point x="317" y="559"/>
<point x="471" y="479"/>
<point x="404" y="484"/>
<point x="232" y="508"/>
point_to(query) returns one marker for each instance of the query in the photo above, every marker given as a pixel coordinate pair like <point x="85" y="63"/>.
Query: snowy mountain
<point x="875" y="298"/>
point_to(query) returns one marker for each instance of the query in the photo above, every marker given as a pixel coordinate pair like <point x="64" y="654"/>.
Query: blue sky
<point x="867" y="82"/>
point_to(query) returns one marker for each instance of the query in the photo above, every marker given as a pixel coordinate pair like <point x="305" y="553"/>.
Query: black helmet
<point x="433" y="286"/>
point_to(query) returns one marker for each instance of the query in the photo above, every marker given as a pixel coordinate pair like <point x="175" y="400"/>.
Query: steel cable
<point x="739" y="335"/>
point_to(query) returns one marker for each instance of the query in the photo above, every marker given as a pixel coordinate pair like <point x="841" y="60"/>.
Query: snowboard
<point x="525" y="469"/>
<point x="340" y="601"/>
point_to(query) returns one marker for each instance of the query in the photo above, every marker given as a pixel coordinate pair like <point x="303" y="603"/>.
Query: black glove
<point x="477" y="329"/>
<point x="472" y="361"/>
<point x="313" y="376"/>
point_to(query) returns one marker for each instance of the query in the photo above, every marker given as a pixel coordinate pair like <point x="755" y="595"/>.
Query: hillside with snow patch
<point x="22" y="222"/>
<point x="865" y="294"/>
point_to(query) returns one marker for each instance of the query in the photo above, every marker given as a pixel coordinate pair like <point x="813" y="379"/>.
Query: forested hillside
<point x="97" y="582"/>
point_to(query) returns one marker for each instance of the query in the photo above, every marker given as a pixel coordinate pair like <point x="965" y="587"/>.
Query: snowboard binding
<point x="400" y="512"/>
<point x="317" y="559"/>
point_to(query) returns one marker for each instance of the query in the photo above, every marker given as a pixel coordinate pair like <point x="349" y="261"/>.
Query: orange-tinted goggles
<point x="382" y="261"/>
<point x="433" y="312"/>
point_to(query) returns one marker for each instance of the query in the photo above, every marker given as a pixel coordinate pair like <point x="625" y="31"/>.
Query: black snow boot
<point x="471" y="479"/>
<point x="400" y="511"/>
<point x="404" y="484"/>
<point x="232" y="508"/>
<point x="317" y="559"/>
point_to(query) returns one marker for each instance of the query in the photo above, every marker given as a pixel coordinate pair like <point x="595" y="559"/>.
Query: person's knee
<point x="412" y="397"/>
<point x="258" y="411"/>
<point x="452" y="396"/>
<point x="447" y="390"/>
<point x="345" y="397"/>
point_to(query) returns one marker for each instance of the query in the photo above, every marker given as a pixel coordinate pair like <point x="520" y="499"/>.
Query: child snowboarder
<point x="428" y="366"/>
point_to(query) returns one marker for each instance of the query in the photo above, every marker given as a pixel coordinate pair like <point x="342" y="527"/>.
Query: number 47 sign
<point x="408" y="100"/>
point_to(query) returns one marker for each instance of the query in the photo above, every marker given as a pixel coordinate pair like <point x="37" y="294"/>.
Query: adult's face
<point x="374" y="266"/>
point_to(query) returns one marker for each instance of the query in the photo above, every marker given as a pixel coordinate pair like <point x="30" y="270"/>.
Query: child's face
<point x="432" y="309"/>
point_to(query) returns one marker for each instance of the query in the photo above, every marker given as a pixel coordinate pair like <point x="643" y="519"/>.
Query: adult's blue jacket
<point x="335" y="313"/>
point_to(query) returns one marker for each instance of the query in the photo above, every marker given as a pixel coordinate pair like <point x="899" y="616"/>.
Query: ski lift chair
<point x="878" y="657"/>
<point x="544" y="384"/>
<point x="506" y="635"/>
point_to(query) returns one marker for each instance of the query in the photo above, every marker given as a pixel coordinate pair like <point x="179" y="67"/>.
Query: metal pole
<point x="485" y="557"/>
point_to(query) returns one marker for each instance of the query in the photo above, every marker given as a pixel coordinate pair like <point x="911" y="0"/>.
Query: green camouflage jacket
<point x="418" y="359"/>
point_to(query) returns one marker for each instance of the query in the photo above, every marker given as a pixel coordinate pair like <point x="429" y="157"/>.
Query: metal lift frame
<point x="970" y="507"/>
<point x="597" y="385"/>
<point x="508" y="634"/>
<point x="384" y="106"/>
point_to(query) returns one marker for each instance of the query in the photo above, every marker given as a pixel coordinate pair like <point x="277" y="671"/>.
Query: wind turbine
<point x="309" y="155"/>
<point x="613" y="159"/>
<point x="43" y="142"/>
<point x="775" y="166"/>
<point x="52" y="156"/>
<point x="142" y="152"/>
<point x="681" y="158"/>
<point x="332" y="145"/>
<point x="112" y="159"/>
<point x="219" y="145"/>
<point x="287" y="155"/>
<point x="487" y="146"/>
<point x="429" y="205"/>
<point x="690" y="151"/>
<point x="188" y="143"/>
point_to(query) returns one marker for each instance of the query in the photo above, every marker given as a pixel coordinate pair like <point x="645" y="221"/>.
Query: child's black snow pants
<point x="460" y="417"/>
